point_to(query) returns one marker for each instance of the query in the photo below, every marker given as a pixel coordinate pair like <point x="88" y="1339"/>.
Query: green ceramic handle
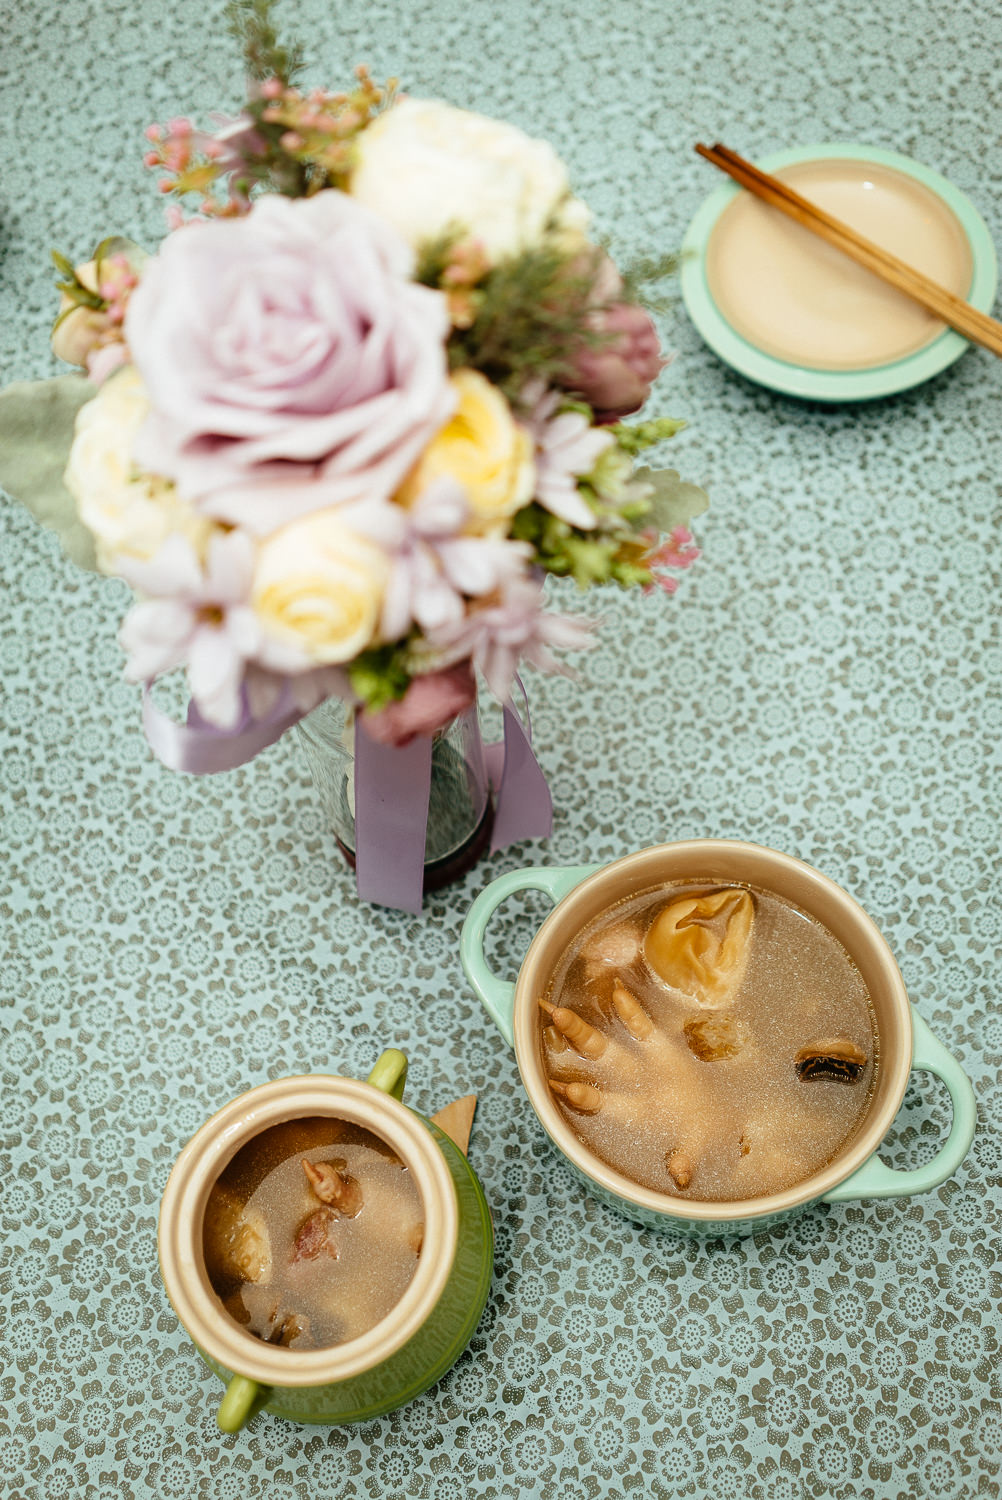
<point x="498" y="995"/>
<point x="390" y="1073"/>
<point x="237" y="1405"/>
<point x="875" y="1180"/>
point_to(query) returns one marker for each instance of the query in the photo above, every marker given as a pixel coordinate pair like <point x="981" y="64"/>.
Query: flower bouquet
<point x="338" y="428"/>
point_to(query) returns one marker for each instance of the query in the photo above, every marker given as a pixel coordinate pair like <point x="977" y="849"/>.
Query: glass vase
<point x="460" y="811"/>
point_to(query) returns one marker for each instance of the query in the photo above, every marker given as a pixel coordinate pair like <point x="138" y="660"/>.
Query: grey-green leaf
<point x="36" y="430"/>
<point x="674" y="501"/>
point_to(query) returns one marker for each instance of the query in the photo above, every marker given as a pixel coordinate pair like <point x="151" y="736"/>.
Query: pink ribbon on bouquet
<point x="392" y="786"/>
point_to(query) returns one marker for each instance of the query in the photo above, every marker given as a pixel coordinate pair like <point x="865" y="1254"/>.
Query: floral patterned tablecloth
<point x="826" y="681"/>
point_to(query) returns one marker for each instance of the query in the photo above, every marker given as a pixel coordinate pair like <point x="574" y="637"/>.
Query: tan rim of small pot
<point x="183" y="1207"/>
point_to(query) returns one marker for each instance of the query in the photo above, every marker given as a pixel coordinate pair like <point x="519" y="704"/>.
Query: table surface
<point x="825" y="682"/>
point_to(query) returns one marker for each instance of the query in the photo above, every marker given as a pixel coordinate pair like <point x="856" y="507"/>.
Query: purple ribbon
<point x="201" y="749"/>
<point x="391" y="786"/>
<point x="392" y="783"/>
<point x="523" y="807"/>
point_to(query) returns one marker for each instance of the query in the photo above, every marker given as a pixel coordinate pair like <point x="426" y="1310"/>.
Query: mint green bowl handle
<point x="875" y="1180"/>
<point x="242" y="1396"/>
<point x="498" y="995"/>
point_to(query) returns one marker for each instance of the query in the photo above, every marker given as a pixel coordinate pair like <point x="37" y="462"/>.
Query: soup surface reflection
<point x="712" y="1042"/>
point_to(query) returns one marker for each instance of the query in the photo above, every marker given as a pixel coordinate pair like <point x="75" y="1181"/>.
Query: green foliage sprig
<point x="249" y="23"/>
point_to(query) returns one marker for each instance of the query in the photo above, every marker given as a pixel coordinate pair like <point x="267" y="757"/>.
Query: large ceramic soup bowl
<point x="419" y="1338"/>
<point x="903" y="1040"/>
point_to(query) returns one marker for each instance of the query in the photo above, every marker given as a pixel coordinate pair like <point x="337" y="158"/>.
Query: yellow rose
<point x="319" y="586"/>
<point x="130" y="513"/>
<point x="483" y="447"/>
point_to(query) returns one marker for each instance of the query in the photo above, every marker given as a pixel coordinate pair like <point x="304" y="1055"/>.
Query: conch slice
<point x="831" y="1057"/>
<point x="699" y="944"/>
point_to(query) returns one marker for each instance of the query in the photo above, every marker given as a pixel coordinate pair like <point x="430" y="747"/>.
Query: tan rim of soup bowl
<point x="183" y="1207"/>
<point x="721" y="862"/>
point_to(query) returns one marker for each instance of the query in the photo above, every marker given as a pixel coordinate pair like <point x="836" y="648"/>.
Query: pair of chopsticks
<point x="974" y="325"/>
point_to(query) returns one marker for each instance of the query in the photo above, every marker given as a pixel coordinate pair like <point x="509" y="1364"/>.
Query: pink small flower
<point x="435" y="566"/>
<point x="198" y="617"/>
<point x="510" y="626"/>
<point x="428" y="704"/>
<point x="567" y="447"/>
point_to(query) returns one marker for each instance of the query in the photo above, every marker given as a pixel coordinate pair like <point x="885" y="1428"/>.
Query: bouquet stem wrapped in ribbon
<point x="339" y="427"/>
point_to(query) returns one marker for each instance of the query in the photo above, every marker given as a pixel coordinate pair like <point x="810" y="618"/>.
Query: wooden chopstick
<point x="960" y="315"/>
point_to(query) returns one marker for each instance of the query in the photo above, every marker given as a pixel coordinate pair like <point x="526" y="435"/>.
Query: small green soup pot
<point x="424" y="1334"/>
<point x="904" y="1040"/>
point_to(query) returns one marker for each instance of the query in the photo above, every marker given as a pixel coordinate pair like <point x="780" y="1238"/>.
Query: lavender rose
<point x="291" y="364"/>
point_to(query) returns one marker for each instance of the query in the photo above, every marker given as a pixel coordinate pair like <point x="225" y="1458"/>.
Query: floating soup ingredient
<point x="236" y="1242"/>
<point x="831" y="1057"/>
<point x="585" y="1040"/>
<point x="679" y="1168"/>
<point x="630" y="1011"/>
<point x="616" y="948"/>
<point x="699" y="944"/>
<point x="331" y="1183"/>
<point x="707" y="1100"/>
<point x="312" y="1233"/>
<point x="711" y="1037"/>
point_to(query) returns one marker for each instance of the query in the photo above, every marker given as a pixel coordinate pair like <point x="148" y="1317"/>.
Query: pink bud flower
<point x="428" y="704"/>
<point x="615" y="377"/>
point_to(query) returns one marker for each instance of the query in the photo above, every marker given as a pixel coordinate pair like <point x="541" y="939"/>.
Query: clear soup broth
<point x="710" y="1042"/>
<point x="312" y="1233"/>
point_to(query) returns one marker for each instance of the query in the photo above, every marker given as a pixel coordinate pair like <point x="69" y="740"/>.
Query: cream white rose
<point x="129" y="512"/>
<point x="318" y="588"/>
<point x="427" y="167"/>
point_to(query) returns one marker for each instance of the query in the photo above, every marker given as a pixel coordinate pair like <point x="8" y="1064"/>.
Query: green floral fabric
<point x="826" y="681"/>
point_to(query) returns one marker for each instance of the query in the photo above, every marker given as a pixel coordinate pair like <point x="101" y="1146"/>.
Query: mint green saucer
<point x="819" y="384"/>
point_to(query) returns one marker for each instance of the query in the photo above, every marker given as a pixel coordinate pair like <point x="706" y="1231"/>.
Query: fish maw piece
<point x="700" y="945"/>
<point x="714" y="1035"/>
<point x="614" y="947"/>
<point x="235" y="1239"/>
